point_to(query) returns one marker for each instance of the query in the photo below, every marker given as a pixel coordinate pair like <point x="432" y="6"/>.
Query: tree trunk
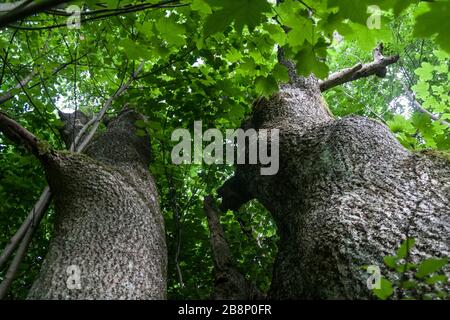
<point x="109" y="230"/>
<point x="346" y="194"/>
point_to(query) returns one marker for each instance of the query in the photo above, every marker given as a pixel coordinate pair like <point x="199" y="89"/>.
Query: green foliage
<point x="420" y="280"/>
<point x="432" y="19"/>
<point x="209" y="60"/>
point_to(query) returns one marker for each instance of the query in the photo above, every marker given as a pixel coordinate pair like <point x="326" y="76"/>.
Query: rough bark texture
<point x="344" y="196"/>
<point x="108" y="222"/>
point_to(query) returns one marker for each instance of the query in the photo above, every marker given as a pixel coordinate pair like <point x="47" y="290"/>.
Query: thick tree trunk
<point x="347" y="193"/>
<point x="109" y="227"/>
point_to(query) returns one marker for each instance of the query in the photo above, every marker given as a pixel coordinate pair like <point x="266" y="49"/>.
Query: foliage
<point x="420" y="280"/>
<point x="209" y="60"/>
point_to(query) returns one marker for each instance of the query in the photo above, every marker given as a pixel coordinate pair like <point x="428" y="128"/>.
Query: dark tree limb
<point x="33" y="218"/>
<point x="23" y="239"/>
<point x="10" y="93"/>
<point x="22" y="11"/>
<point x="18" y="134"/>
<point x="229" y="283"/>
<point x="377" y="67"/>
<point x="233" y="194"/>
<point x="109" y="13"/>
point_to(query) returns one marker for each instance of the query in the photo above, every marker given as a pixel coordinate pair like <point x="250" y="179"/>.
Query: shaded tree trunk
<point x="347" y="193"/>
<point x="108" y="223"/>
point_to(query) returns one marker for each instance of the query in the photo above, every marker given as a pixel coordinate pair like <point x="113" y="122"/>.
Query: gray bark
<point x="346" y="195"/>
<point x="108" y="221"/>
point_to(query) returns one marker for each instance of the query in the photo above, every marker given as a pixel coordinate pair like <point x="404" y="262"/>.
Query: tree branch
<point x="106" y="106"/>
<point x="18" y="134"/>
<point x="229" y="283"/>
<point x="109" y="13"/>
<point x="10" y="93"/>
<point x="34" y="216"/>
<point x="434" y="117"/>
<point x="377" y="67"/>
<point x="20" y="11"/>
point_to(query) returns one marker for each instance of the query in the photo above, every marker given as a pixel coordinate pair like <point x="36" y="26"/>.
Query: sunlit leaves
<point x="171" y="31"/>
<point x="201" y="6"/>
<point x="400" y="124"/>
<point x="368" y="38"/>
<point x="425" y="73"/>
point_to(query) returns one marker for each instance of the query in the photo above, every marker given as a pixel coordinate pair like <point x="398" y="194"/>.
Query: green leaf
<point x="140" y="124"/>
<point x="405" y="267"/>
<point x="367" y="38"/>
<point x="266" y="86"/>
<point x="280" y="72"/>
<point x="134" y="51"/>
<point x="353" y="10"/>
<point x="171" y="31"/>
<point x="421" y="89"/>
<point x="390" y="261"/>
<point x="408" y="284"/>
<point x="303" y="30"/>
<point x="276" y="33"/>
<point x="437" y="278"/>
<point x="308" y="63"/>
<point x="405" y="247"/>
<point x="429" y="266"/>
<point x="425" y="72"/>
<point x="400" y="124"/>
<point x="434" y="21"/>
<point x="241" y="12"/>
<point x="201" y="6"/>
<point x="140" y="133"/>
<point x="386" y="290"/>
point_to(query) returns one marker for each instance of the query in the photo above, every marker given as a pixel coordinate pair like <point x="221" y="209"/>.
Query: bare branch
<point x="20" y="254"/>
<point x="107" y="14"/>
<point x="434" y="117"/>
<point x="106" y="106"/>
<point x="10" y="93"/>
<point x="377" y="67"/>
<point x="20" y="11"/>
<point x="229" y="282"/>
<point x="34" y="216"/>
